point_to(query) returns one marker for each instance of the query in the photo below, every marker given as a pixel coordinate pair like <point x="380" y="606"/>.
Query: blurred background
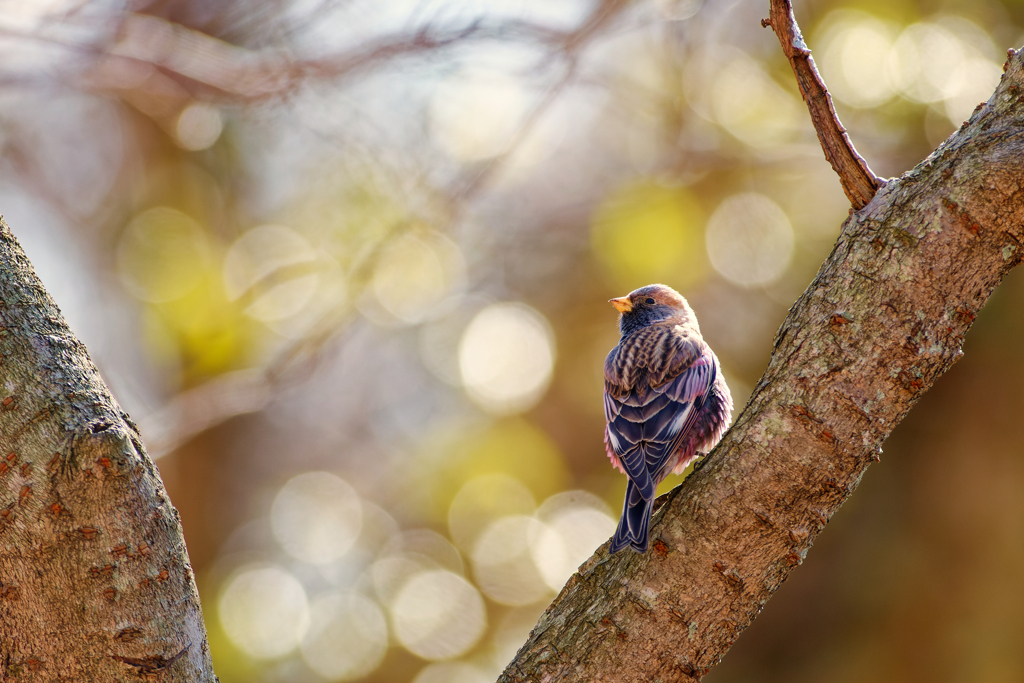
<point x="347" y="263"/>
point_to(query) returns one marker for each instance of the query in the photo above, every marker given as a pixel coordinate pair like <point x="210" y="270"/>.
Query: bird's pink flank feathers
<point x="611" y="453"/>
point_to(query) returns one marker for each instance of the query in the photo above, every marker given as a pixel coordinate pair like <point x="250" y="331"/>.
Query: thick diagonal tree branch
<point x="858" y="180"/>
<point x="884" y="318"/>
<point x="95" y="583"/>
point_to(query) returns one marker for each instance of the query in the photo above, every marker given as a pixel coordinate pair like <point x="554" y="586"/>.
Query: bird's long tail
<point x="636" y="517"/>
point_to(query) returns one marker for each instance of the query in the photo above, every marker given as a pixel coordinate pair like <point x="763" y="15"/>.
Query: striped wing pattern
<point x="655" y="383"/>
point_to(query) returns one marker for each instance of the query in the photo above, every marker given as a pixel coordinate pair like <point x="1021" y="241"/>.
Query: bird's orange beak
<point x="622" y="304"/>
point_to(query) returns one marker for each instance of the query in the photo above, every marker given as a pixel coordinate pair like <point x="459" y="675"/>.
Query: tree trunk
<point x="95" y="583"/>
<point x="884" y="318"/>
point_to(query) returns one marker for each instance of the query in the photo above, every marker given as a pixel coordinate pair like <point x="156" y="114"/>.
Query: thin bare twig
<point x="858" y="180"/>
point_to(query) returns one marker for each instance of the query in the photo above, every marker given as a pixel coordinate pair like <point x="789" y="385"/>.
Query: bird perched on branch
<point x="665" y="401"/>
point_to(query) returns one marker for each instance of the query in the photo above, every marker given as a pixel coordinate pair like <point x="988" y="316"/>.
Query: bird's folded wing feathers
<point x="654" y="381"/>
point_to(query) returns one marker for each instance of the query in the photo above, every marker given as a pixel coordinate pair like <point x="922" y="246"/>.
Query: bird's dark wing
<point x="654" y="386"/>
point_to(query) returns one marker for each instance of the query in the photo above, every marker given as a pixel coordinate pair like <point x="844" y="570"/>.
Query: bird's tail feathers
<point x="634" y="523"/>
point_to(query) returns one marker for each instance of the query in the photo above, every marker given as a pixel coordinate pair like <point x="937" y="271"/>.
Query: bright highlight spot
<point x="316" y="517"/>
<point x="924" y="62"/>
<point x="977" y="79"/>
<point x="390" y="574"/>
<point x="426" y="545"/>
<point x="750" y="240"/>
<point x="408" y="554"/>
<point x="506" y="357"/>
<point x="415" y="273"/>
<point x="264" y="612"/>
<point x="253" y="266"/>
<point x="945" y="61"/>
<point x="475" y="114"/>
<point x="482" y="500"/>
<point x="199" y="126"/>
<point x="748" y="103"/>
<point x="580" y="522"/>
<point x="347" y="637"/>
<point x="503" y="560"/>
<point x="438" y="615"/>
<point x="855" y="56"/>
<point x="163" y="255"/>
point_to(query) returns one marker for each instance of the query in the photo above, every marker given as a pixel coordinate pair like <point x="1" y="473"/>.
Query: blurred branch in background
<point x="158" y="66"/>
<point x="232" y="72"/>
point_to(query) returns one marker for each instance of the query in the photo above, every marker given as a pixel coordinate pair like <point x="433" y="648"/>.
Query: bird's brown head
<point x="651" y="304"/>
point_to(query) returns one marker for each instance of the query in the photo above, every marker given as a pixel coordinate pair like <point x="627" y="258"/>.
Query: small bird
<point x="665" y="401"/>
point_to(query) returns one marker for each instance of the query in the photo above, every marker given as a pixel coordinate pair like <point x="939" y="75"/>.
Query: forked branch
<point x="884" y="318"/>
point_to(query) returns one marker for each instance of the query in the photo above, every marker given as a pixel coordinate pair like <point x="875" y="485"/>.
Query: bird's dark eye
<point x="649" y="300"/>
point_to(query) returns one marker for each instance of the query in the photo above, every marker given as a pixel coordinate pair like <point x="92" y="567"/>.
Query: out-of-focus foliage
<point x="347" y="265"/>
<point x="647" y="232"/>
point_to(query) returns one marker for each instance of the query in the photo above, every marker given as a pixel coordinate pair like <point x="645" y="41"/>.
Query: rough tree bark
<point x="884" y="318"/>
<point x="95" y="583"/>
